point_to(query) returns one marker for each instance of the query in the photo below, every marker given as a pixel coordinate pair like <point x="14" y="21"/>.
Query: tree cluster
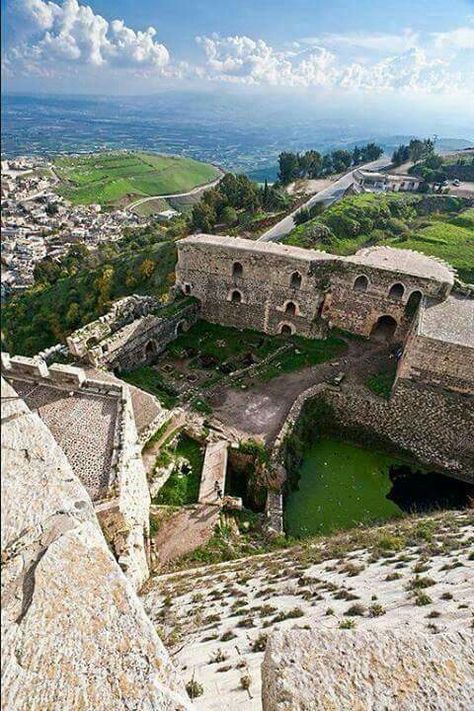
<point x="417" y="150"/>
<point x="234" y="194"/>
<point x="312" y="164"/>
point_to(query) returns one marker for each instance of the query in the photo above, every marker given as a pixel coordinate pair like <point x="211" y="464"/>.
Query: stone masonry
<point x="74" y="634"/>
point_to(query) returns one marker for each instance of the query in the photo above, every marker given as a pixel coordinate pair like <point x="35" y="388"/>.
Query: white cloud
<point x="373" y="42"/>
<point x="72" y="32"/>
<point x="250" y="61"/>
<point x="460" y="38"/>
<point x="246" y="60"/>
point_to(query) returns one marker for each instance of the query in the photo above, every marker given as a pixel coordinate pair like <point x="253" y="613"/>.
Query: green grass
<point x="149" y="379"/>
<point x="110" y="178"/>
<point x="306" y="352"/>
<point x="228" y="344"/>
<point x="183" y="488"/>
<point x="381" y="383"/>
<point x="438" y="226"/>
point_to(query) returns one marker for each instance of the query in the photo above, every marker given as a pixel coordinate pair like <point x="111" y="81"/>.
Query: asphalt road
<point x="327" y="196"/>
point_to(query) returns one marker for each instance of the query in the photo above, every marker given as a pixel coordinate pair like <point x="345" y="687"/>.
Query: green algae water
<point x="340" y="486"/>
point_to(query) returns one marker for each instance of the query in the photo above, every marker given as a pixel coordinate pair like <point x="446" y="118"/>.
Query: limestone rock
<point x="74" y="634"/>
<point x="341" y="670"/>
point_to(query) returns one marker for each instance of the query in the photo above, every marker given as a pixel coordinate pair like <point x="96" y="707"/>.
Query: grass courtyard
<point x="209" y="355"/>
<point x="117" y="178"/>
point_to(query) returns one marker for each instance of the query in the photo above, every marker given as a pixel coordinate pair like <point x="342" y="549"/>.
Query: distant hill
<point x="114" y="179"/>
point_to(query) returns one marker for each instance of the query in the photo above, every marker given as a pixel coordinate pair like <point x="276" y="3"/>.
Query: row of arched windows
<point x="396" y="291"/>
<point x="295" y="279"/>
<point x="290" y="307"/>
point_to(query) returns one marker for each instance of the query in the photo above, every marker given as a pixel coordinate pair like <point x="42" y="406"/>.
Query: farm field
<point x="117" y="178"/>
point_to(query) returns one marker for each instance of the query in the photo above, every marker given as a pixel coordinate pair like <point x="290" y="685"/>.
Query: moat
<point x="342" y="485"/>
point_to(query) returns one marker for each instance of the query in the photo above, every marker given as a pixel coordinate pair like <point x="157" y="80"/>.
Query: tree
<point x="146" y="268"/>
<point x="401" y="155"/>
<point x="203" y="217"/>
<point x="288" y="167"/>
<point x="341" y="160"/>
<point x="357" y="155"/>
<point x="371" y="152"/>
<point x="229" y="215"/>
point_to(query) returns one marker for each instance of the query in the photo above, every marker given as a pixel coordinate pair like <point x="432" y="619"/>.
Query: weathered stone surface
<point x="309" y="670"/>
<point x="75" y="635"/>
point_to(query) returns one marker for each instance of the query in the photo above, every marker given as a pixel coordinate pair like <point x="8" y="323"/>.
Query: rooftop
<point x="404" y="260"/>
<point x="396" y="260"/>
<point x="238" y="243"/>
<point x="451" y="320"/>
<point x="82" y="423"/>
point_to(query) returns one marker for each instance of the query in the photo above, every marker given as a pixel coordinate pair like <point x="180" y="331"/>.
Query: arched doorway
<point x="285" y="329"/>
<point x="413" y="303"/>
<point x="384" y="329"/>
<point x="150" y="350"/>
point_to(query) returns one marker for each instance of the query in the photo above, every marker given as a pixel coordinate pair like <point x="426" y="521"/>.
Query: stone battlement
<point x="93" y="422"/>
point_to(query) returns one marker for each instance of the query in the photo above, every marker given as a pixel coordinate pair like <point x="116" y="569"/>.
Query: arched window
<point x="286" y="330"/>
<point x="361" y="283"/>
<point x="295" y="282"/>
<point x="187" y="288"/>
<point x="236" y="297"/>
<point x="290" y="308"/>
<point x="237" y="269"/>
<point x="396" y="291"/>
<point x="150" y="350"/>
<point x="413" y="303"/>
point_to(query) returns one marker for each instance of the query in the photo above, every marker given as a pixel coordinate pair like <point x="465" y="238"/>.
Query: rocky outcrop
<point x="382" y="671"/>
<point x="75" y="635"/>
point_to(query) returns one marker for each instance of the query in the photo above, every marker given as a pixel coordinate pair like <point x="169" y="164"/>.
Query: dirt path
<point x="262" y="409"/>
<point x="185" y="531"/>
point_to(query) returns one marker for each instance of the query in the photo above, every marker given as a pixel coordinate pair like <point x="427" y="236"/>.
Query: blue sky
<point x="381" y="47"/>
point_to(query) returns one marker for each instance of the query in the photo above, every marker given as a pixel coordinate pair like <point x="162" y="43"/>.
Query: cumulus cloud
<point x="250" y="61"/>
<point x="246" y="60"/>
<point x="72" y="32"/>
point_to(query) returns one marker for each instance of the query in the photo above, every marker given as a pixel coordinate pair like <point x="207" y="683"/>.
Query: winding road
<point x="194" y="191"/>
<point x="331" y="194"/>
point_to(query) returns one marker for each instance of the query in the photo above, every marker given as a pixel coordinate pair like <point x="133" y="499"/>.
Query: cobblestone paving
<point x="83" y="424"/>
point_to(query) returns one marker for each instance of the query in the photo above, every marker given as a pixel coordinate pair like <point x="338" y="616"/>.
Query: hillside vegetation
<point x="85" y="289"/>
<point x="118" y="177"/>
<point x="437" y="225"/>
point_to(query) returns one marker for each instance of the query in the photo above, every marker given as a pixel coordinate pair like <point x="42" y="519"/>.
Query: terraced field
<point x="117" y="178"/>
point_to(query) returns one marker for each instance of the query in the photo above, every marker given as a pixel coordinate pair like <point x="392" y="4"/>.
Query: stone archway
<point x="286" y="329"/>
<point x="150" y="351"/>
<point x="384" y="329"/>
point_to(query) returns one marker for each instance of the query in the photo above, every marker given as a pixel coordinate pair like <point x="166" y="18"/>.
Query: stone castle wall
<point x="244" y="284"/>
<point x="267" y="285"/>
<point x="128" y="345"/>
<point x="124" y="506"/>
<point x="449" y="365"/>
<point x="358" y="311"/>
<point x="431" y="425"/>
<point x="74" y="634"/>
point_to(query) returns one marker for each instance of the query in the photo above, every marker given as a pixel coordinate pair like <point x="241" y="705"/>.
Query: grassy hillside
<point x="46" y="314"/>
<point x="437" y="225"/>
<point x="113" y="178"/>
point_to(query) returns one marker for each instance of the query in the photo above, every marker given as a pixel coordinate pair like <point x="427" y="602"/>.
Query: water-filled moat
<point x="342" y="485"/>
